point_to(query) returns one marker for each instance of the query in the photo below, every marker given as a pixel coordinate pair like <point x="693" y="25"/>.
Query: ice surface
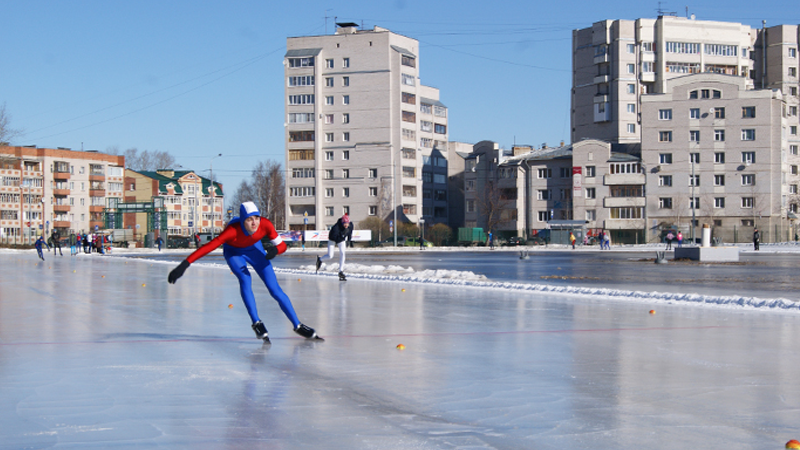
<point x="101" y="352"/>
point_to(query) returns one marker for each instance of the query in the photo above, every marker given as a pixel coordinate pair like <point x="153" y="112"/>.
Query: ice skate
<point x="319" y="263"/>
<point x="342" y="277"/>
<point x="261" y="331"/>
<point x="307" y="332"/>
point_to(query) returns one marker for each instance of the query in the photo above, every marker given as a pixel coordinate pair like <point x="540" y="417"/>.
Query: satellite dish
<point x="711" y="110"/>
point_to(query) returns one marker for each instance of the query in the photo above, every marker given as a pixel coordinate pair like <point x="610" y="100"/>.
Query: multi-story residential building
<point x="616" y="62"/>
<point x="191" y="203"/>
<point x="363" y="135"/>
<point x="43" y="189"/>
<point x="722" y="154"/>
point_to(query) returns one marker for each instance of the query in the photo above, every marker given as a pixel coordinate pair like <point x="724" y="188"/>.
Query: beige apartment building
<point x="363" y="135"/>
<point x="43" y="189"/>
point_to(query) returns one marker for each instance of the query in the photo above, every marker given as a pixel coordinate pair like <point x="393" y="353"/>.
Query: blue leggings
<point x="237" y="259"/>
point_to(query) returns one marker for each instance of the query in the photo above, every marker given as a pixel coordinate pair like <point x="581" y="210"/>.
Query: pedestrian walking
<point x="680" y="239"/>
<point x="607" y="240"/>
<point x="756" y="238"/>
<point x="670" y="237"/>
<point x="491" y="241"/>
<point x="572" y="239"/>
<point x="241" y="244"/>
<point x="339" y="233"/>
<point x="159" y="242"/>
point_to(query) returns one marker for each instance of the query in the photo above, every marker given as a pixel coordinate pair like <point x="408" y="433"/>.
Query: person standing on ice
<point x="341" y="232"/>
<point x="756" y="238"/>
<point x="241" y="241"/>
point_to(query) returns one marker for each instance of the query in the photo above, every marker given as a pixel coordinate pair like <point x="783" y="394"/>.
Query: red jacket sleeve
<point x="227" y="234"/>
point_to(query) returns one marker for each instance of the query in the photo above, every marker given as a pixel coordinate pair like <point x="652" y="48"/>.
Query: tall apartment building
<point x="43" y="189"/>
<point x="363" y="135"/>
<point x="616" y="62"/>
<point x="189" y="203"/>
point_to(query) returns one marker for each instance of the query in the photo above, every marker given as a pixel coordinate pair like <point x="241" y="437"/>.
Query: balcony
<point x="623" y="224"/>
<point x="61" y="208"/>
<point x="61" y="224"/>
<point x="602" y="79"/>
<point x="102" y="192"/>
<point x="96" y="223"/>
<point x="621" y="179"/>
<point x="61" y="175"/>
<point x="648" y="77"/>
<point x="61" y="192"/>
<point x="96" y="209"/>
<point x="600" y="98"/>
<point x="623" y="202"/>
<point x="97" y="177"/>
<point x="599" y="59"/>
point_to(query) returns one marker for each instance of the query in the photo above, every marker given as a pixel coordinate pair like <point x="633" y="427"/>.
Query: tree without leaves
<point x="147" y="160"/>
<point x="491" y="205"/>
<point x="266" y="188"/>
<point x="6" y="132"/>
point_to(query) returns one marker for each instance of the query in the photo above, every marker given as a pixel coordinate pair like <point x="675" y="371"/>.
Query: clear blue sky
<point x="197" y="78"/>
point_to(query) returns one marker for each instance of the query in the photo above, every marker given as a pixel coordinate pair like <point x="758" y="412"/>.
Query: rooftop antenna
<point x="326" y="21"/>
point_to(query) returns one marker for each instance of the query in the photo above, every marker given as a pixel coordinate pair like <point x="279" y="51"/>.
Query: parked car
<point x="178" y="242"/>
<point x="513" y="241"/>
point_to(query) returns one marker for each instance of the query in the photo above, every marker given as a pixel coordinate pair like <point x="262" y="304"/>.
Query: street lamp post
<point x="694" y="182"/>
<point x="212" y="191"/>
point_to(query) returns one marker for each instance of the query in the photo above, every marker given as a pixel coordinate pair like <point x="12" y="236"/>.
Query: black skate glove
<point x="271" y="252"/>
<point x="178" y="271"/>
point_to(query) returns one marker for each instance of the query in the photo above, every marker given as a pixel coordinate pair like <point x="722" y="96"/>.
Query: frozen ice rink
<point x="101" y="352"/>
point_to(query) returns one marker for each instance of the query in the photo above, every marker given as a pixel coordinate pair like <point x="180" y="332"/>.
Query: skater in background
<point x="670" y="237"/>
<point x="56" y="237"/>
<point x="241" y="244"/>
<point x="38" y="244"/>
<point x="72" y="240"/>
<point x="756" y="238"/>
<point x="159" y="242"/>
<point x="607" y="240"/>
<point x="338" y="235"/>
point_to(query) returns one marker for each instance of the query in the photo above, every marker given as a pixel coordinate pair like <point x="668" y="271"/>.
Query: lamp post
<point x="694" y="182"/>
<point x="212" y="191"/>
<point x="422" y="227"/>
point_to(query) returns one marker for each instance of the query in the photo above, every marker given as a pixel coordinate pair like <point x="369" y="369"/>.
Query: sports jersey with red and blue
<point x="240" y="249"/>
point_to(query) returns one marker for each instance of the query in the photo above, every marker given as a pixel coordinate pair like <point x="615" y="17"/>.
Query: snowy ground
<point x="100" y="352"/>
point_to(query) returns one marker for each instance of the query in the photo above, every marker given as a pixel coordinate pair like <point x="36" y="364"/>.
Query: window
<point x="329" y="100"/>
<point x="719" y="202"/>
<point x="719" y="113"/>
<point x="345" y="81"/>
<point x="411" y="99"/>
<point x="329" y="63"/>
<point x="301" y="62"/>
<point x="694" y="180"/>
<point x="543" y="216"/>
<point x="329" y="211"/>
<point x="664" y="114"/>
<point x="544" y="194"/>
<point x="441" y="129"/>
<point x="792" y="52"/>
<point x="665" y="158"/>
<point x="590" y="171"/>
<point x="346" y="155"/>
<point x="301" y="81"/>
<point x="301" y="136"/>
<point x="328" y="156"/>
<point x="693" y="94"/>
<point x="591" y="215"/>
<point x="409" y="116"/>
<point x="328" y="174"/>
<point x="749" y="135"/>
<point x="329" y="82"/>
<point x="408" y="61"/>
<point x="792" y="71"/>
<point x="408" y="80"/>
<point x="719" y="180"/>
<point x="346" y="192"/>
<point x="793" y="150"/>
<point x="329" y="194"/>
<point x="631" y="48"/>
<point x="682" y="47"/>
<point x="345" y="62"/>
<point x="694" y="113"/>
<point x="747" y="202"/>
<point x="748" y="112"/>
<point x="301" y="117"/>
<point x="794" y="169"/>
<point x="373" y="211"/>
<point x="345" y="99"/>
<point x="626" y="213"/>
<point x="665" y="203"/>
<point x="328" y="118"/>
<point x="719" y="135"/>
<point x="694" y="158"/>
<point x="720" y="50"/>
<point x="345" y="118"/>
<point x="328" y="137"/>
<point x="345" y="173"/>
<point x="665" y="136"/>
<point x="748" y="157"/>
<point x="631" y="89"/>
<point x="665" y="180"/>
<point x="545" y="173"/>
<point x="346" y="136"/>
<point x="632" y="108"/>
<point x="303" y="99"/>
<point x="694" y="135"/>
<point x="631" y="68"/>
<point x="591" y="193"/>
<point x="372" y="173"/>
<point x="793" y="130"/>
<point x="373" y="191"/>
<point x="694" y="202"/>
<point x="793" y="189"/>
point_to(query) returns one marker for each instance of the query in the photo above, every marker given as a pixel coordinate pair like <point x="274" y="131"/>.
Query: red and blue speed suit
<point x="240" y="249"/>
